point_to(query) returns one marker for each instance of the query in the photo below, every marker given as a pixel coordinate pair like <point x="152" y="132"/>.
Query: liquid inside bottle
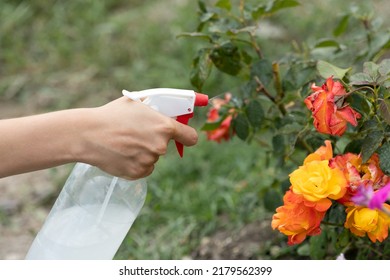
<point x="91" y="216"/>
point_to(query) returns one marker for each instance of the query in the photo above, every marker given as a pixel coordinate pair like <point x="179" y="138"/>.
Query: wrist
<point x="81" y="123"/>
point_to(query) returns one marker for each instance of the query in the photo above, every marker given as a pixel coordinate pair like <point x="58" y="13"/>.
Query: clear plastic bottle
<point x="90" y="217"/>
<point x="94" y="210"/>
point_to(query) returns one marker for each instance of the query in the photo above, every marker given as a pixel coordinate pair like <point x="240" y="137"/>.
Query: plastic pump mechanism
<point x="95" y="210"/>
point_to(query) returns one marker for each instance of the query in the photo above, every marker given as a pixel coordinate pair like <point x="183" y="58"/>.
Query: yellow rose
<point x="316" y="181"/>
<point x="361" y="220"/>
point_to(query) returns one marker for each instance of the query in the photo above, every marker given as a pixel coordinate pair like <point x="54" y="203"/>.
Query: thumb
<point x="184" y="134"/>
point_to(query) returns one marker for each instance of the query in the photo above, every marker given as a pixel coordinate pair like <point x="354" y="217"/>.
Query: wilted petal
<point x="348" y="114"/>
<point x="337" y="89"/>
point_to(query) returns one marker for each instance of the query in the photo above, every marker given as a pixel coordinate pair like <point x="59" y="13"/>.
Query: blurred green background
<point x="64" y="54"/>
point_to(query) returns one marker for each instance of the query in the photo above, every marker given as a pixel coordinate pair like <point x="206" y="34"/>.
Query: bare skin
<point x="124" y="138"/>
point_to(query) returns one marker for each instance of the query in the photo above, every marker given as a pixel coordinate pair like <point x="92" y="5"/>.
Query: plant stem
<point x="360" y="88"/>
<point x="251" y="35"/>
<point x="262" y="88"/>
<point x="278" y="83"/>
<point x="305" y="144"/>
<point x="256" y="46"/>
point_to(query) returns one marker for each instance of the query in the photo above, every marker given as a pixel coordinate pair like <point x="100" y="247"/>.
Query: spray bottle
<point x="95" y="210"/>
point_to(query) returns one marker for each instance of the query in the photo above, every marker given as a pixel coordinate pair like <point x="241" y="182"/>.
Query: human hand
<point x="126" y="138"/>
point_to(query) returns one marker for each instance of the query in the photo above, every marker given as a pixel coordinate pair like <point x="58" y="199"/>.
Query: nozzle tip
<point x="201" y="99"/>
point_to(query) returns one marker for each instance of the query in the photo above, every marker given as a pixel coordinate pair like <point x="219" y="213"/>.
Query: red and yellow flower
<point x="362" y="220"/>
<point x="323" y="179"/>
<point x="331" y="114"/>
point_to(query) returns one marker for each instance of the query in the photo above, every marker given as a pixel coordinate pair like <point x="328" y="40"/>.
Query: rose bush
<point x="322" y="114"/>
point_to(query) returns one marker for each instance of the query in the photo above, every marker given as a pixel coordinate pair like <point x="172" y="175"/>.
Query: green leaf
<point x="343" y="238"/>
<point x="205" y="17"/>
<point x="318" y="246"/>
<point x="211" y="125"/>
<point x="380" y="42"/>
<point x="342" y="26"/>
<point x="354" y="147"/>
<point x="361" y="79"/>
<point x="384" y="67"/>
<point x="224" y="4"/>
<point x="241" y="126"/>
<point x="371" y="143"/>
<point x="372" y="70"/>
<point x="327" y="43"/>
<point x="326" y="70"/>
<point x="384" y="158"/>
<point x="201" y="68"/>
<point x="227" y="58"/>
<point x="298" y="75"/>
<point x="258" y="12"/>
<point x="262" y="69"/>
<point x="277" y="5"/>
<point x="360" y="103"/>
<point x="290" y="128"/>
<point x="278" y="145"/>
<point x="272" y="200"/>
<point x="370" y="125"/>
<point x="255" y="113"/>
<point x="384" y="108"/>
<point x="336" y="214"/>
<point x="202" y="6"/>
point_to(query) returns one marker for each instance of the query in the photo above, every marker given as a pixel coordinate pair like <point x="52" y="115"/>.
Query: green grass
<point x="214" y="186"/>
<point x="72" y="53"/>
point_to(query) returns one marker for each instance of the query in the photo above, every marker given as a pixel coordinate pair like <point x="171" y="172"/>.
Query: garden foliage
<point x="321" y="111"/>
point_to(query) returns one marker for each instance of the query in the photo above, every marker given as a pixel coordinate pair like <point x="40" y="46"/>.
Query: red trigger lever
<point x="200" y="100"/>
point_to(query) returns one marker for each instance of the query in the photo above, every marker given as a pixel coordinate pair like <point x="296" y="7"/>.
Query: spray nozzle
<point x="201" y="99"/>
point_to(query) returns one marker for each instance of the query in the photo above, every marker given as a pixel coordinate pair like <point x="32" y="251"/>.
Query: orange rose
<point x="296" y="219"/>
<point x="331" y="114"/>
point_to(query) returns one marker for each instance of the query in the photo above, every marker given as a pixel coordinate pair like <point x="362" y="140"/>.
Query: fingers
<point x="138" y="175"/>
<point x="184" y="134"/>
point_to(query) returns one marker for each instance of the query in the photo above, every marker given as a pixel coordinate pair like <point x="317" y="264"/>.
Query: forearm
<point x="123" y="138"/>
<point x="40" y="141"/>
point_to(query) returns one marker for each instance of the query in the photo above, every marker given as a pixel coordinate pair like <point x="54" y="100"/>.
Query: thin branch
<point x="278" y="83"/>
<point x="261" y="88"/>
<point x="256" y="46"/>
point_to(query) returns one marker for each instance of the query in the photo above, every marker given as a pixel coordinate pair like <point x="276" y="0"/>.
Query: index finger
<point x="184" y="134"/>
